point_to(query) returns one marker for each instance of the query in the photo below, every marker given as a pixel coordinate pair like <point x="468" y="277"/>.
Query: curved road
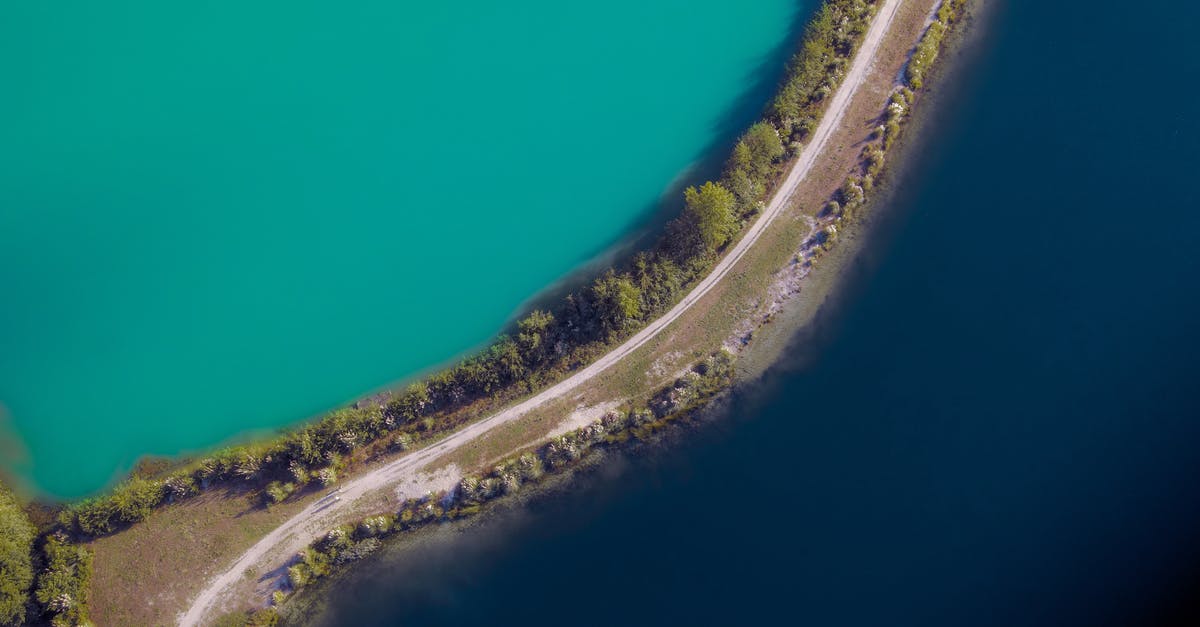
<point x="300" y="530"/>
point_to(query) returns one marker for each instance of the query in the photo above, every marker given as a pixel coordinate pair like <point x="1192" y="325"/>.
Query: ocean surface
<point x="995" y="424"/>
<point x="222" y="218"/>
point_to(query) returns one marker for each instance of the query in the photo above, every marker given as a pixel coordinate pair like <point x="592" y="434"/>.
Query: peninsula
<point x="231" y="536"/>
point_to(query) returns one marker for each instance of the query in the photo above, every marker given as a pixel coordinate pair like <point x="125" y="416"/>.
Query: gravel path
<point x="300" y="530"/>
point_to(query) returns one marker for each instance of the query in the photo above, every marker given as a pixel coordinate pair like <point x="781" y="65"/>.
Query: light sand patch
<point x="785" y="285"/>
<point x="421" y="483"/>
<point x="662" y="365"/>
<point x="582" y="417"/>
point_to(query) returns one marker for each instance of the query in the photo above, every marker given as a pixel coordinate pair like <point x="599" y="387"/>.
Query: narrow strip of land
<point x="300" y="530"/>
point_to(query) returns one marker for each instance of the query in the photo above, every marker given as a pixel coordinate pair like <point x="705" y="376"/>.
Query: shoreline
<point x="830" y="284"/>
<point x="610" y="382"/>
<point x="798" y="317"/>
<point x="358" y="488"/>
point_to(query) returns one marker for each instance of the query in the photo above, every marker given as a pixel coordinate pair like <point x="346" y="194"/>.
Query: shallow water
<point x="226" y="218"/>
<point x="996" y="424"/>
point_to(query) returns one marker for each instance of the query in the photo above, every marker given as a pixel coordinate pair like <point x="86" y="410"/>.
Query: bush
<point x="617" y="302"/>
<point x="62" y="588"/>
<point x="128" y="503"/>
<point x="16" y="568"/>
<point x="708" y="215"/>
<point x="829" y="42"/>
<point x="277" y="492"/>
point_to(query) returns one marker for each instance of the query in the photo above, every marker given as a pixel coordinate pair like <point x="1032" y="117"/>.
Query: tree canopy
<point x="710" y="212"/>
<point x="617" y="301"/>
<point x="16" y="570"/>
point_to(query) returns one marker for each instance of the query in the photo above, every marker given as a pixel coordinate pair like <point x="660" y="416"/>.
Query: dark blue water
<point x="1001" y="423"/>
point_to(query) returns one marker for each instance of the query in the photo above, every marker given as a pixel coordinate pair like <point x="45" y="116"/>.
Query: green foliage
<point x="763" y="148"/>
<point x="533" y="336"/>
<point x="872" y="157"/>
<point x="925" y="54"/>
<point x="277" y="492"/>
<point x="617" y="301"/>
<point x="851" y="194"/>
<point x="128" y="503"/>
<point x="829" y="41"/>
<point x="891" y="132"/>
<point x="409" y="405"/>
<point x="709" y="214"/>
<point x="931" y="43"/>
<point x="62" y="588"/>
<point x="263" y="618"/>
<point x="752" y="164"/>
<point x="658" y="280"/>
<point x="16" y="569"/>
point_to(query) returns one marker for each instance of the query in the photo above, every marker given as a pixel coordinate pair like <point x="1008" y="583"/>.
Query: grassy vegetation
<point x="16" y="563"/>
<point x="927" y="50"/>
<point x="854" y="192"/>
<point x="64" y="584"/>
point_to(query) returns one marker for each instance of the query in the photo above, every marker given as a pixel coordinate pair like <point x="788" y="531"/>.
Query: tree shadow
<point x="279" y="572"/>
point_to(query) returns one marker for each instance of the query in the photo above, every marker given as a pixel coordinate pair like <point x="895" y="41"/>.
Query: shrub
<point x="829" y="41"/>
<point x="16" y="568"/>
<point x="62" y="588"/>
<point x="927" y="49"/>
<point x="277" y="492"/>
<point x="708" y="214"/>
<point x="128" y="503"/>
<point x="617" y="302"/>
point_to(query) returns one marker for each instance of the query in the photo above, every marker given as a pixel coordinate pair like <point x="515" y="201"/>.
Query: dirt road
<point x="300" y="530"/>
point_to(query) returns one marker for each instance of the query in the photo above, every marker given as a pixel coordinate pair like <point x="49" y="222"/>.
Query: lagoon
<point x="220" y="220"/>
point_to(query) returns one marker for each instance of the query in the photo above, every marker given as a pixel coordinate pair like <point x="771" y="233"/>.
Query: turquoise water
<point x="995" y="424"/>
<point x="228" y="217"/>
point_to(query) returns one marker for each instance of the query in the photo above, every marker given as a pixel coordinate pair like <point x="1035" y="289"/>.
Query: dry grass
<point x="145" y="575"/>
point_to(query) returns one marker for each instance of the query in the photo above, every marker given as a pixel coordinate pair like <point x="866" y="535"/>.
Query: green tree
<point x="410" y="404"/>
<point x="752" y="163"/>
<point x="16" y="570"/>
<point x="709" y="212"/>
<point x="532" y="334"/>
<point x="763" y="147"/>
<point x="659" y="280"/>
<point x="504" y="357"/>
<point x="617" y="301"/>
